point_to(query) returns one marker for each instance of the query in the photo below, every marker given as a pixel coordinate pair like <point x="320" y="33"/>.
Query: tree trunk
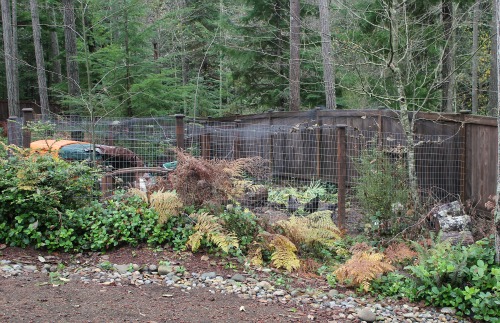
<point x="10" y="59"/>
<point x="294" y="55"/>
<point x="54" y="52"/>
<point x="448" y="63"/>
<point x="72" y="69"/>
<point x="40" y="62"/>
<point x="128" y="103"/>
<point x="497" y="72"/>
<point x="326" y="51"/>
<point x="404" y="115"/>
<point x="475" y="57"/>
<point x="493" y="91"/>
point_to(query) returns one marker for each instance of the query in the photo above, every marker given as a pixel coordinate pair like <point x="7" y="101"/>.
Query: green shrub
<point x="382" y="190"/>
<point x="243" y="223"/>
<point x="463" y="277"/>
<point x="35" y="192"/>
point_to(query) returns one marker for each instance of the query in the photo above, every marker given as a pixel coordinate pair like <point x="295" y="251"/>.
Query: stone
<point x="208" y="275"/>
<point x="164" y="270"/>
<point x="332" y="293"/>
<point x="238" y="278"/>
<point x="30" y="268"/>
<point x="448" y="310"/>
<point x="122" y="268"/>
<point x="153" y="268"/>
<point x="366" y="314"/>
<point x="264" y="285"/>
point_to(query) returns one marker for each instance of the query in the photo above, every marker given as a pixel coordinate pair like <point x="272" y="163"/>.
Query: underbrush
<point x="52" y="204"/>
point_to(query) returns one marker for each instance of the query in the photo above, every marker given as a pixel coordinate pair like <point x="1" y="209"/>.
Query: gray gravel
<point x="345" y="308"/>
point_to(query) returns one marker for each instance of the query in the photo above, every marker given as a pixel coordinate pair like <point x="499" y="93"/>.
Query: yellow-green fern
<point x="208" y="226"/>
<point x="316" y="228"/>
<point x="284" y="254"/>
<point x="166" y="204"/>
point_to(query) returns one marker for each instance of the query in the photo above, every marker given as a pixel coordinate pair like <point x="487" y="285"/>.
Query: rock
<point x="153" y="268"/>
<point x="122" y="268"/>
<point x="366" y="314"/>
<point x="279" y="292"/>
<point x="448" y="310"/>
<point x="30" y="268"/>
<point x="409" y="315"/>
<point x="238" y="278"/>
<point x="264" y="285"/>
<point x="136" y="267"/>
<point x="208" y="275"/>
<point x="164" y="269"/>
<point x="332" y="293"/>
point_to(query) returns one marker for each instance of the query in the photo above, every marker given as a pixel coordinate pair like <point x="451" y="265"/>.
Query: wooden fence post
<point x="341" y="173"/>
<point x="236" y="145"/>
<point x="13" y="131"/>
<point x="27" y="117"/>
<point x="205" y="142"/>
<point x="319" y="125"/>
<point x="179" y="130"/>
<point x="463" y="135"/>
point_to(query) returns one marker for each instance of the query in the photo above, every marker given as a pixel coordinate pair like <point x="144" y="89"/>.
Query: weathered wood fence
<point x="455" y="153"/>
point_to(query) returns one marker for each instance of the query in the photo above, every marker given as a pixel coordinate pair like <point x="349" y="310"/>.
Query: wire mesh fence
<point x="298" y="155"/>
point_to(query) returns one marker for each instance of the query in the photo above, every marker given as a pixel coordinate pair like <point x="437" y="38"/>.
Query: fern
<point x="316" y="228"/>
<point x="284" y="254"/>
<point x="166" y="204"/>
<point x="207" y="226"/>
<point x="399" y="253"/>
<point x="362" y="268"/>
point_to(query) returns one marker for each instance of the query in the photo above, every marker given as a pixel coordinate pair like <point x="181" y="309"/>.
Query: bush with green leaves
<point x="36" y="191"/>
<point x="243" y="223"/>
<point x="382" y="185"/>
<point x="463" y="277"/>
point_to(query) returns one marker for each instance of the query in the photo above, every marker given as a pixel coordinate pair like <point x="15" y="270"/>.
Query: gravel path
<point x="191" y="294"/>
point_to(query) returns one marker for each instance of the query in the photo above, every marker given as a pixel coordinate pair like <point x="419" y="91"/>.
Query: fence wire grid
<point x="297" y="155"/>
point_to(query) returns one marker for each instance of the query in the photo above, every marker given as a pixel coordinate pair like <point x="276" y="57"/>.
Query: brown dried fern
<point x="362" y="268"/>
<point x="399" y="253"/>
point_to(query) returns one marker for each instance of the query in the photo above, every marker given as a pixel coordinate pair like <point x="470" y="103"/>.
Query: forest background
<point x="218" y="57"/>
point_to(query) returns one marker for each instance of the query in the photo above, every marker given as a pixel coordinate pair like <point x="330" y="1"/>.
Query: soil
<point x="30" y="298"/>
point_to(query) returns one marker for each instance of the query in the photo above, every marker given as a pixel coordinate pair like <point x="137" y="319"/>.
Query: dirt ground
<point x="29" y="298"/>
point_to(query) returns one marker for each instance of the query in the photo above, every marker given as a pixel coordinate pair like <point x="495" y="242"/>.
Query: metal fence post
<point x="27" y="117"/>
<point x="341" y="173"/>
<point x="179" y="130"/>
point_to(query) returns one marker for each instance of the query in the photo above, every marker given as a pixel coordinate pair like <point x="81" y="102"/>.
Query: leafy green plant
<point x="243" y="223"/>
<point x="382" y="191"/>
<point x="463" y="277"/>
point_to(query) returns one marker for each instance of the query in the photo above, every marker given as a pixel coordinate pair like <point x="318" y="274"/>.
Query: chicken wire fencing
<point x="305" y="161"/>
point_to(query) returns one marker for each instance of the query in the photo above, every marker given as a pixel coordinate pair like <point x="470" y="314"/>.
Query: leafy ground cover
<point x="52" y="205"/>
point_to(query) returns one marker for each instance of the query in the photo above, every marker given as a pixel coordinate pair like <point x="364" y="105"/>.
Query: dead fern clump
<point x="206" y="182"/>
<point x="283" y="252"/>
<point x="208" y="227"/>
<point x="362" y="268"/>
<point x="257" y="167"/>
<point x="316" y="229"/>
<point x="399" y="253"/>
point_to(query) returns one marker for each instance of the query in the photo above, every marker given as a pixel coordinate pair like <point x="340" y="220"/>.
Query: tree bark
<point x="326" y="51"/>
<point x="448" y="64"/>
<point x="294" y="55"/>
<point x="10" y="59"/>
<point x="475" y="57"/>
<point x="72" y="70"/>
<point x="493" y="91"/>
<point x="497" y="72"/>
<point x="404" y="115"/>
<point x="40" y="62"/>
<point x="54" y="52"/>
